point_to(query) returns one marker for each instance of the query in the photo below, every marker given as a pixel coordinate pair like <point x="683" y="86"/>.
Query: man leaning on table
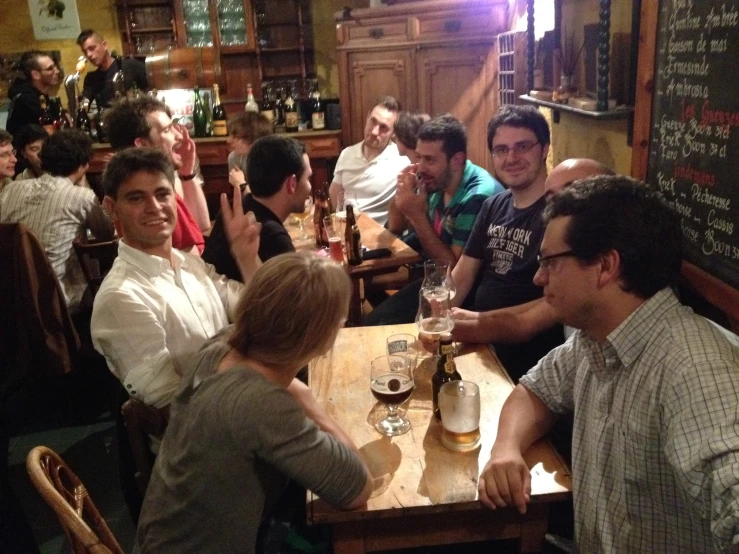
<point x="145" y="122"/>
<point x="367" y="170"/>
<point x="654" y="387"/>
<point x="158" y="305"/>
<point x="278" y="171"/>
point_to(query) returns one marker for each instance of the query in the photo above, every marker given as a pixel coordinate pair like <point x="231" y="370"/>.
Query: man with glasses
<point x="501" y="251"/>
<point x="654" y="388"/>
<point x="7" y="158"/>
<point x="42" y="78"/>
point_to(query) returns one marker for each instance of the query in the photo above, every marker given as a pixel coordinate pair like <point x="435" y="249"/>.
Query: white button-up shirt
<point x="150" y="318"/>
<point x="374" y="182"/>
<point x="655" y="445"/>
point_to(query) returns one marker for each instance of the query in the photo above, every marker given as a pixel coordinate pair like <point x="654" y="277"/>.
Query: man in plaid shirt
<point x="654" y="387"/>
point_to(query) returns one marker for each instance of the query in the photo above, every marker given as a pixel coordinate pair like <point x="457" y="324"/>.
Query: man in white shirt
<point x="158" y="305"/>
<point x="369" y="169"/>
<point x="57" y="210"/>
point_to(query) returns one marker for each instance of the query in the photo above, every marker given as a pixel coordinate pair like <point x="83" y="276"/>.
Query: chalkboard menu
<point x="694" y="142"/>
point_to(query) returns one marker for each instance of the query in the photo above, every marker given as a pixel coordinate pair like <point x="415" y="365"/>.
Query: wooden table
<point x="424" y="494"/>
<point x="374" y="236"/>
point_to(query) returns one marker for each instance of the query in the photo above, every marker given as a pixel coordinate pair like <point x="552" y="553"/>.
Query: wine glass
<point x="391" y="382"/>
<point x="434" y="316"/>
<point x="300" y="217"/>
<point x="438" y="273"/>
<point x="342" y="199"/>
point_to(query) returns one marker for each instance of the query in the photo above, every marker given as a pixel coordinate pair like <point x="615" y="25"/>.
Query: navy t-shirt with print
<point x="507" y="240"/>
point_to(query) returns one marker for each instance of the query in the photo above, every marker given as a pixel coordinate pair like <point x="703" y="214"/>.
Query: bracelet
<point x="187" y="177"/>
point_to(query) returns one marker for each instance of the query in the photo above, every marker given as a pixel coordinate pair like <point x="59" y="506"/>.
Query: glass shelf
<point x="620" y="112"/>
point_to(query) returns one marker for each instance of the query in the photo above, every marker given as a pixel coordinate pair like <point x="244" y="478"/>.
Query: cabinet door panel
<point x="375" y="74"/>
<point x="459" y="80"/>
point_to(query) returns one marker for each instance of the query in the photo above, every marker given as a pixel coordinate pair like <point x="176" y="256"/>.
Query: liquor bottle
<point x="220" y="128"/>
<point x="353" y="238"/>
<point x="46" y="120"/>
<point x="268" y="105"/>
<point x="199" y="121"/>
<point x="318" y="112"/>
<point x="102" y="132"/>
<point x="446" y="371"/>
<point x="251" y="103"/>
<point x="292" y="119"/>
<point x="280" y="108"/>
<point x="320" y="212"/>
<point x="82" y="119"/>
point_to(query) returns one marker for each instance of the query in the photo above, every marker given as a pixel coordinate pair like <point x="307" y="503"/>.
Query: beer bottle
<point x="219" y="115"/>
<point x="268" y="104"/>
<point x="46" y="120"/>
<point x="320" y="212"/>
<point x="446" y="371"/>
<point x="200" y="123"/>
<point x="353" y="238"/>
<point x="318" y="115"/>
<point x="82" y="120"/>
<point x="251" y="103"/>
<point x="291" y="114"/>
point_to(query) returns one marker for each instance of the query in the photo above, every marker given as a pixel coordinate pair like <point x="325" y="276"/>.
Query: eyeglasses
<point x="501" y="151"/>
<point x="6" y="155"/>
<point x="546" y="261"/>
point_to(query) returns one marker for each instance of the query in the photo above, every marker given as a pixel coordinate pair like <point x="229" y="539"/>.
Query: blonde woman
<point x="241" y="424"/>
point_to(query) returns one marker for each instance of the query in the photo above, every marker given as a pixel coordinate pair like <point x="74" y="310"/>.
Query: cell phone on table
<point x="376" y="253"/>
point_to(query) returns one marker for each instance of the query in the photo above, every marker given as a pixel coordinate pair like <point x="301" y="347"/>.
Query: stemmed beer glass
<point x="434" y="315"/>
<point x="391" y="382"/>
<point x="301" y="217"/>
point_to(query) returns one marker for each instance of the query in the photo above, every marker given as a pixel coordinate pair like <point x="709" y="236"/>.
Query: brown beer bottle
<point x="353" y="238"/>
<point x="446" y="371"/>
<point x="320" y="212"/>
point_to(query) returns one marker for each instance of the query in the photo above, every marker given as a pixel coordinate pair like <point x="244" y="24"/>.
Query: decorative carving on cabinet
<point x="604" y="56"/>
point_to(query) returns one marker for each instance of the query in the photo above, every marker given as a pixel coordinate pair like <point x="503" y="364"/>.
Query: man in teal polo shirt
<point x="439" y="198"/>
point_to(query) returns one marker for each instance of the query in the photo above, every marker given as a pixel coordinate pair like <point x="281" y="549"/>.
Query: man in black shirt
<point x="278" y="171"/>
<point x="98" y="84"/>
<point x="41" y="81"/>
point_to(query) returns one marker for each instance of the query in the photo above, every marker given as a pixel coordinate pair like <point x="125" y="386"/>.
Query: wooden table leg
<point x="348" y="538"/>
<point x="355" y="305"/>
<point x="533" y="528"/>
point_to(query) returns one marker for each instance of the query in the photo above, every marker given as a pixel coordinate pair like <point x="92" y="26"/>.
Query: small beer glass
<point x="335" y="249"/>
<point x="405" y="346"/>
<point x="391" y="382"/>
<point x="459" y="402"/>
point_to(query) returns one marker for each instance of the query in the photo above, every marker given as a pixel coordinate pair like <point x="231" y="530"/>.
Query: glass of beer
<point x="335" y="249"/>
<point x="434" y="316"/>
<point x="391" y="382"/>
<point x="300" y="217"/>
<point x="405" y="346"/>
<point x="459" y="402"/>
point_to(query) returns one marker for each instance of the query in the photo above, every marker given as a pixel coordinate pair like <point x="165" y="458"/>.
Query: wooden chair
<point x="62" y="490"/>
<point x="96" y="259"/>
<point x="141" y="422"/>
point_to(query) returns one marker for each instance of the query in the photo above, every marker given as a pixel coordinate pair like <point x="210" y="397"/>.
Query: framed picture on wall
<point x="54" y="19"/>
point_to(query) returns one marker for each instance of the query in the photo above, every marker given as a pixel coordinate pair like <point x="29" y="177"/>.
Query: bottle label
<point x="449" y="366"/>
<point x="447" y="348"/>
<point x="269" y="114"/>
<point x="319" y="120"/>
<point x="219" y="128"/>
<point x="291" y="119"/>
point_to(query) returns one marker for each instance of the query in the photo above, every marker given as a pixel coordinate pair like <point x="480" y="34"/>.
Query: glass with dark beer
<point x="391" y="382"/>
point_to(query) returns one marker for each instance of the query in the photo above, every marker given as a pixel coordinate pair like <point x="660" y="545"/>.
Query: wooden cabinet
<point x="146" y="26"/>
<point x="433" y="57"/>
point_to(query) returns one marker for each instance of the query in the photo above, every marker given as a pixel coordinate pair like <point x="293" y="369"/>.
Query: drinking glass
<point x="434" y="316"/>
<point x="344" y="198"/>
<point x="438" y="273"/>
<point x="300" y="217"/>
<point x="459" y="402"/>
<point x="335" y="249"/>
<point x="405" y="346"/>
<point x="391" y="382"/>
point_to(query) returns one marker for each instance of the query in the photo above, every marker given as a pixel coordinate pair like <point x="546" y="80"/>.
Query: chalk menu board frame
<point x="713" y="289"/>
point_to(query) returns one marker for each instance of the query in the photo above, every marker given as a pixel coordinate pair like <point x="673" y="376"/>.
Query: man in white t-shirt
<point x="369" y="169"/>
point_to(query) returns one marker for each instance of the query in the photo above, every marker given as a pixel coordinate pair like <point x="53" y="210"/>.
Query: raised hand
<point x="242" y="231"/>
<point x="236" y="177"/>
<point x="411" y="197"/>
<point x="186" y="150"/>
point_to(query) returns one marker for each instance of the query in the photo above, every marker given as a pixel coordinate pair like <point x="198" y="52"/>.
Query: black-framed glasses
<point x="502" y="150"/>
<point x="5" y="155"/>
<point x="546" y="261"/>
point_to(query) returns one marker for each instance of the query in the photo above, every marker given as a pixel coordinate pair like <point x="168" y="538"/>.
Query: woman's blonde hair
<point x="291" y="310"/>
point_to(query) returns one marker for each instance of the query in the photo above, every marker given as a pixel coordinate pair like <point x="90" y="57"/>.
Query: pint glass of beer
<point x="459" y="402"/>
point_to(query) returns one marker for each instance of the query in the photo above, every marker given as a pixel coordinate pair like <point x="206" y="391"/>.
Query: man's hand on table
<point x="186" y="150"/>
<point x="411" y="197"/>
<point x="505" y="480"/>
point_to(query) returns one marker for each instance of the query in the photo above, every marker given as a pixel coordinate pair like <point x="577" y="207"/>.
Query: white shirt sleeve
<point x="229" y="290"/>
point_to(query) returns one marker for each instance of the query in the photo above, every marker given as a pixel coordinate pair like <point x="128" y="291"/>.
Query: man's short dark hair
<point x="249" y="126"/>
<point x="527" y="117"/>
<point x="406" y="127"/>
<point x="65" y="151"/>
<point x="129" y="161"/>
<point x="270" y="161"/>
<point x="30" y="61"/>
<point x="447" y="129"/>
<point x="87" y="33"/>
<point x="623" y="214"/>
<point x="28" y="134"/>
<point x="126" y="120"/>
<point x="5" y="137"/>
<point x="387" y="102"/>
